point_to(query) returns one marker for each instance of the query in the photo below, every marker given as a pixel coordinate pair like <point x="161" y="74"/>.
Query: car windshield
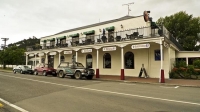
<point x="26" y="67"/>
<point x="63" y="64"/>
<point x="47" y="65"/>
<point x="79" y="65"/>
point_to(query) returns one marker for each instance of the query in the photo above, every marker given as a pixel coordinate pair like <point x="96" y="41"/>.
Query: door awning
<point x="153" y="25"/>
<point x="89" y="32"/>
<point x="74" y="35"/>
<point x="112" y="28"/>
<point x="63" y="37"/>
<point x="52" y="39"/>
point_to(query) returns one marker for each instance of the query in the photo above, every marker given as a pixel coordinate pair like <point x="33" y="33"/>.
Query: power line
<point x="128" y="6"/>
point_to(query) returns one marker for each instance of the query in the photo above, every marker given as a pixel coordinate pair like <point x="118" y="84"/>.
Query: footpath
<point x="172" y="82"/>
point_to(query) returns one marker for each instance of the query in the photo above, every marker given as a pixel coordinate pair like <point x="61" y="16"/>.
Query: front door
<point x="51" y="61"/>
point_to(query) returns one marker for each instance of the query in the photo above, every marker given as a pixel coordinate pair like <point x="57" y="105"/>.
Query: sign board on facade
<point x="52" y="53"/>
<point x="41" y="54"/>
<point x="140" y="46"/>
<point x="109" y="48"/>
<point x="86" y="50"/>
<point x="67" y="52"/>
<point x="30" y="55"/>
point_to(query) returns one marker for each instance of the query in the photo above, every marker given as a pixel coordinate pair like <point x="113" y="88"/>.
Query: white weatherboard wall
<point x="141" y="56"/>
<point x="127" y="24"/>
<point x="184" y="54"/>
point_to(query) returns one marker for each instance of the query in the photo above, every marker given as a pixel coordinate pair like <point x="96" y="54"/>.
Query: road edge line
<point x="12" y="105"/>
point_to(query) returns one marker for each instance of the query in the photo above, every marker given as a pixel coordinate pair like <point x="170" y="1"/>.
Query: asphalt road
<point x="51" y="94"/>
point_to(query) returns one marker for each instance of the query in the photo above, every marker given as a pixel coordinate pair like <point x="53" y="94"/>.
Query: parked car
<point x="44" y="69"/>
<point x="22" y="69"/>
<point x="75" y="70"/>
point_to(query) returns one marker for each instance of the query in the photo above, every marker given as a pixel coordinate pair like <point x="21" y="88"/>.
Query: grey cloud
<point x="25" y="18"/>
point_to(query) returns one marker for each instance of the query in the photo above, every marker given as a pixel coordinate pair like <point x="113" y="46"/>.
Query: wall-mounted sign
<point x="67" y="52"/>
<point x="86" y="50"/>
<point x="41" y="54"/>
<point x="52" y="53"/>
<point x="140" y="46"/>
<point x="30" y="55"/>
<point x="109" y="48"/>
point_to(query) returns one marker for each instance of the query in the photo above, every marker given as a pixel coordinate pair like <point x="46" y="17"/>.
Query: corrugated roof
<point x="96" y="24"/>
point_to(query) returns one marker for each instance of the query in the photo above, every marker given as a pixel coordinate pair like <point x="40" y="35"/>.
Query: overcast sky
<point x="21" y="19"/>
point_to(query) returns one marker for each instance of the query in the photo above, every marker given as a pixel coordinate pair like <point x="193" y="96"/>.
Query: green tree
<point x="12" y="55"/>
<point x="183" y="27"/>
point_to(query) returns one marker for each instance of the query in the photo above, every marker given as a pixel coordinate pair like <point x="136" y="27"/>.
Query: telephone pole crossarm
<point x="128" y="6"/>
<point x="4" y="39"/>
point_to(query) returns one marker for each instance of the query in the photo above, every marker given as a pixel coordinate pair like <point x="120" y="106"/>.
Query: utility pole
<point x="4" y="39"/>
<point x="128" y="6"/>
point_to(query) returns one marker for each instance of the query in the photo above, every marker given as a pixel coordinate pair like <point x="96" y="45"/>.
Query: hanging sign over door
<point x="86" y="50"/>
<point x="109" y="48"/>
<point x="140" y="46"/>
<point x="67" y="52"/>
<point x="52" y="53"/>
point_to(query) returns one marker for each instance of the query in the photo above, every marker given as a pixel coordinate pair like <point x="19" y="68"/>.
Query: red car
<point x="44" y="69"/>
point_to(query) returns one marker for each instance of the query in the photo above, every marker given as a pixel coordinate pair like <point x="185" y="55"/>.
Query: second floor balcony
<point x="109" y="37"/>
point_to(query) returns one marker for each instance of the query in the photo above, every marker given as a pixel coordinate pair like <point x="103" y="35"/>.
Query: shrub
<point x="174" y="75"/>
<point x="179" y="64"/>
<point x="196" y="63"/>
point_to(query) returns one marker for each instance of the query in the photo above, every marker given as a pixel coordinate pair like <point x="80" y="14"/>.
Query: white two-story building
<point x="115" y="47"/>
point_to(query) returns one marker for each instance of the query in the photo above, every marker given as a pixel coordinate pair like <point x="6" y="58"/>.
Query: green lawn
<point x="9" y="69"/>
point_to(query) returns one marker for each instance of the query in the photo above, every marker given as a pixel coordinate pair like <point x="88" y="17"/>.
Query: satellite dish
<point x="146" y="16"/>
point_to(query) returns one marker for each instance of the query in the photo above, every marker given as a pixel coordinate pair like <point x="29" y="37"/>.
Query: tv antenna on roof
<point x="128" y="6"/>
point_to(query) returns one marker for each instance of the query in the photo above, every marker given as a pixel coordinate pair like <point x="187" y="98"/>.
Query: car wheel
<point x="61" y="74"/>
<point x="21" y="72"/>
<point x="54" y="75"/>
<point x="14" y="71"/>
<point x="89" y="77"/>
<point x="44" y="73"/>
<point x="78" y="75"/>
<point x="73" y="77"/>
<point x="35" y="72"/>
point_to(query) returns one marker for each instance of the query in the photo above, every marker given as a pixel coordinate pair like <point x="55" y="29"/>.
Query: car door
<point x="68" y="68"/>
<point x="17" y="69"/>
<point x="71" y="68"/>
<point x="40" y="68"/>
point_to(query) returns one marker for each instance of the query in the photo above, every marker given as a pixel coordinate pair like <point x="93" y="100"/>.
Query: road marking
<point x="1" y="105"/>
<point x="169" y="87"/>
<point x="12" y="105"/>
<point x="104" y="91"/>
<point x="127" y="84"/>
<point x="96" y="81"/>
<point x="176" y="87"/>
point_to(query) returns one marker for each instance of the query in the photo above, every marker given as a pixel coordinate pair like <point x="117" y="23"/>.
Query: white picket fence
<point x="12" y="66"/>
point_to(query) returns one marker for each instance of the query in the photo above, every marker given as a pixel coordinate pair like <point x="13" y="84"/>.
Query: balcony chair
<point x="72" y="43"/>
<point x="77" y="43"/>
<point x="118" y="38"/>
<point x="111" y="39"/>
<point x="104" y="39"/>
<point x="99" y="40"/>
<point x="135" y="34"/>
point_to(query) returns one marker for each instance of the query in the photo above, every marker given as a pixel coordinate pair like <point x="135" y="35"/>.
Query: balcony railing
<point x="125" y="35"/>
